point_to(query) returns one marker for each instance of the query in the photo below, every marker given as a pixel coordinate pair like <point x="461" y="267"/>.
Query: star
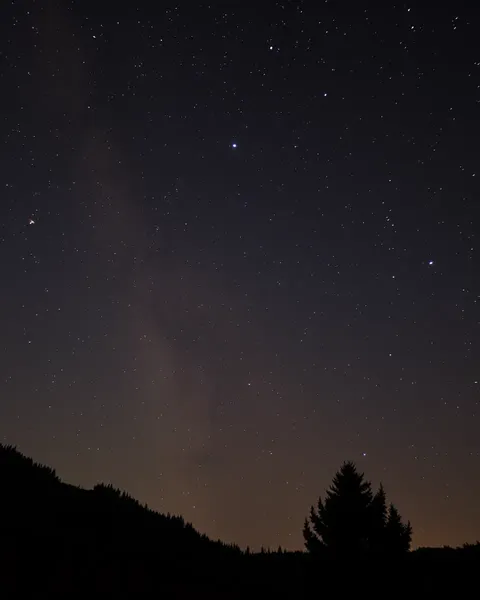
<point x="219" y="307"/>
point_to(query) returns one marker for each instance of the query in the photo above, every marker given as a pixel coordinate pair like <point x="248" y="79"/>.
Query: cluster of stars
<point x="254" y="256"/>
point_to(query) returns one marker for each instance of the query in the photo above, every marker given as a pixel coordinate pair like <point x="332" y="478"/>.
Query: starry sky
<point x="238" y="246"/>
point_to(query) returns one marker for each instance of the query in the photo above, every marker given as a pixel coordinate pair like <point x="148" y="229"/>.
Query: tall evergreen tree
<point x="378" y="521"/>
<point x="340" y="523"/>
<point x="398" y="535"/>
<point x="353" y="522"/>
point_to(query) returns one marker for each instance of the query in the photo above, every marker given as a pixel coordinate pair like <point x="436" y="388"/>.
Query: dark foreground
<point x="60" y="539"/>
<point x="41" y="568"/>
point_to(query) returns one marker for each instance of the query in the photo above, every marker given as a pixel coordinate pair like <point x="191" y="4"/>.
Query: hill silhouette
<point x="60" y="530"/>
<point x="57" y="537"/>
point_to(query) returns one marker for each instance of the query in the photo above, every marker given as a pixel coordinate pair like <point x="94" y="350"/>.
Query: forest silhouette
<point x="59" y="538"/>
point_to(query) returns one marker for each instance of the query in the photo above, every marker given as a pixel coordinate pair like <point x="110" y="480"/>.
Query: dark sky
<point x="238" y="246"/>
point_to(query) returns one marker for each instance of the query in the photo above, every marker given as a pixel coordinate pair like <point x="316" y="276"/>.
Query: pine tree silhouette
<point x="398" y="535"/>
<point x="378" y="521"/>
<point x="353" y="522"/>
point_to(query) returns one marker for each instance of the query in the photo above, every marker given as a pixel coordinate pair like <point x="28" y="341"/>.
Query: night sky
<point x="238" y="246"/>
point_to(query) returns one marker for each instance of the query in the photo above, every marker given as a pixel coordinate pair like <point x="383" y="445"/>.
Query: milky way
<point x="238" y="247"/>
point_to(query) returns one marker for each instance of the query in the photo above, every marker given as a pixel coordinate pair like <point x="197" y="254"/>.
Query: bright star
<point x="430" y="262"/>
<point x="234" y="145"/>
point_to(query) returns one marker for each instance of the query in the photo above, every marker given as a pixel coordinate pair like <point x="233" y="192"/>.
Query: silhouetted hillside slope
<point x="38" y="503"/>
<point x="49" y="524"/>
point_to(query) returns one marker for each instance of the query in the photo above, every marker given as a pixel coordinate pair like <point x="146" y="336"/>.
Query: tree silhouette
<point x="353" y="522"/>
<point x="378" y="521"/>
<point x="398" y="535"/>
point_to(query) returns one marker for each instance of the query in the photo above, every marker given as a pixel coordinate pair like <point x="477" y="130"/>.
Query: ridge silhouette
<point x="56" y="537"/>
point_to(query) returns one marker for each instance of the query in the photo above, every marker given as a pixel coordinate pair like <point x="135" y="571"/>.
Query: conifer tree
<point x="378" y="521"/>
<point x="340" y="523"/>
<point x="398" y="535"/>
<point x="353" y="522"/>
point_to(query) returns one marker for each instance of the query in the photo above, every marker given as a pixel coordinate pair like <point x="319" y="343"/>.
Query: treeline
<point x="57" y="537"/>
